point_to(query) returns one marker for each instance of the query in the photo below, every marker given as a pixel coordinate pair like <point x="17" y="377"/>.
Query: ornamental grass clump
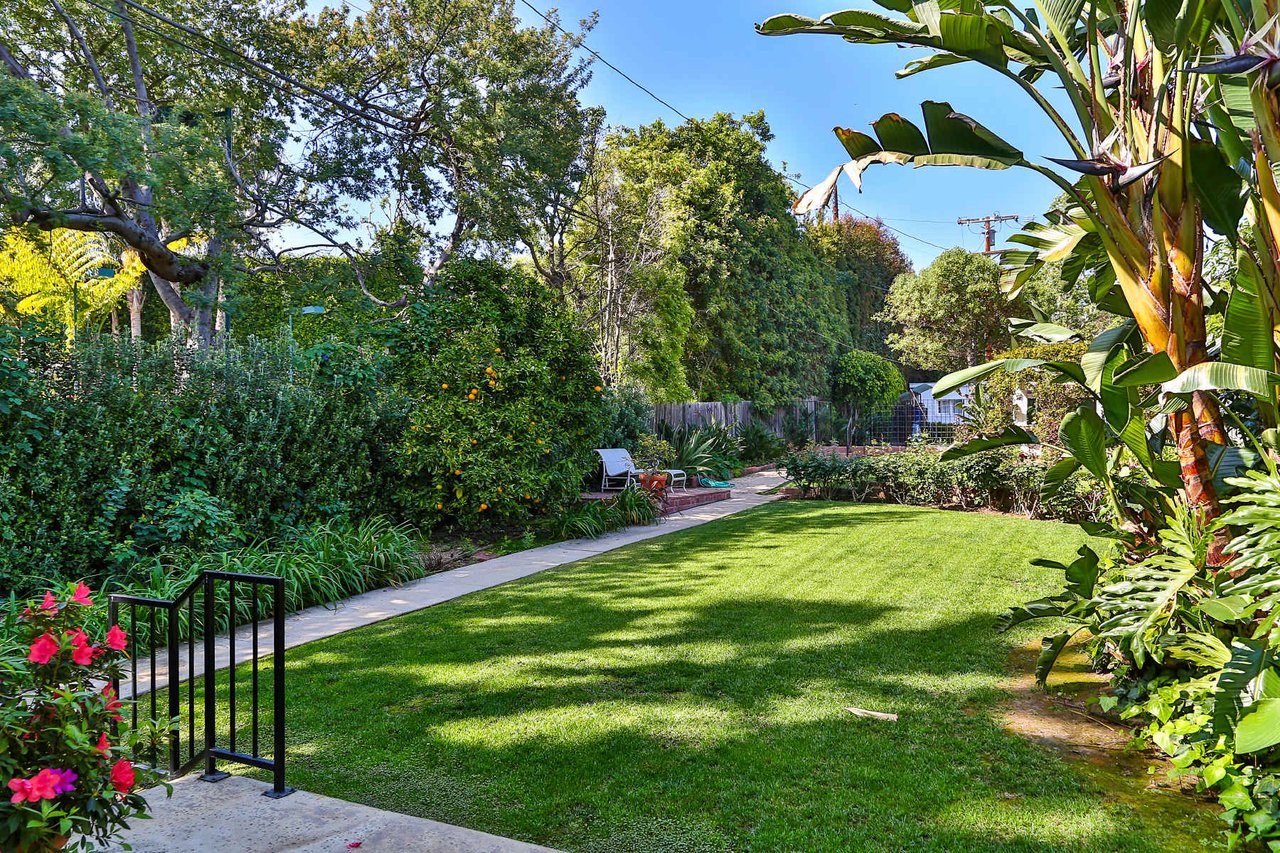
<point x="64" y="744"/>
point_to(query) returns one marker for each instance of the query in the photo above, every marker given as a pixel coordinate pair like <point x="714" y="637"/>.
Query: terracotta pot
<point x="656" y="482"/>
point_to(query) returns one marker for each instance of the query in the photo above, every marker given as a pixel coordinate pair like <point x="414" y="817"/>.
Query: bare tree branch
<point x="87" y="53"/>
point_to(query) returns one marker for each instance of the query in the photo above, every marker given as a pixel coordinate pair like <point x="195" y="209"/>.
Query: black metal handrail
<point x="163" y="617"/>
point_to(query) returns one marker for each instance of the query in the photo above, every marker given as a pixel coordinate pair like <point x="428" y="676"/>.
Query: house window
<point x="948" y="410"/>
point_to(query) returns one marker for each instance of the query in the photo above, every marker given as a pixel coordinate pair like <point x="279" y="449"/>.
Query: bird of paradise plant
<point x="1151" y="170"/>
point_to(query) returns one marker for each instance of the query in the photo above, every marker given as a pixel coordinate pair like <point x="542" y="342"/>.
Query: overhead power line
<point x="673" y="109"/>
<point x="866" y="215"/>
<point x="624" y="75"/>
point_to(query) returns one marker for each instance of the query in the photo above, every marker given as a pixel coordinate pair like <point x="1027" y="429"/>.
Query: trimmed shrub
<point x="115" y="451"/>
<point x="997" y="479"/>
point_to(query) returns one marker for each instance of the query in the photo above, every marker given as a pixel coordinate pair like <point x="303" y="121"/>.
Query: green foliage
<point x="61" y="275"/>
<point x="766" y="309"/>
<point x="949" y="315"/>
<point x="592" y="519"/>
<point x="869" y="386"/>
<point x="1050" y="400"/>
<point x="759" y="444"/>
<point x="865" y="258"/>
<point x="117" y="450"/>
<point x="712" y="451"/>
<point x="321" y="563"/>
<point x="508" y="405"/>
<point x="996" y="479"/>
<point x="652" y="453"/>
<point x="628" y="415"/>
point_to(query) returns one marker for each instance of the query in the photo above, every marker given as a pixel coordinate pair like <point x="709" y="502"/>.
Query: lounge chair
<point x="617" y="464"/>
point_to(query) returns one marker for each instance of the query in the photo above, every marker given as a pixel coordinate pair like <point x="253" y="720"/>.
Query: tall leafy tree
<point x="493" y="140"/>
<point x="766" y="318"/>
<point x="952" y="314"/>
<point x="624" y="280"/>
<point x="155" y="124"/>
<point x="866" y="258"/>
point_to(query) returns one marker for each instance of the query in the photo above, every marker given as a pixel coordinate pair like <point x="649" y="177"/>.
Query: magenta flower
<point x="81" y="596"/>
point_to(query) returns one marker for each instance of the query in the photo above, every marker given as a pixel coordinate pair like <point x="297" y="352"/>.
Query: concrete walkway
<point x="316" y="623"/>
<point x="232" y="816"/>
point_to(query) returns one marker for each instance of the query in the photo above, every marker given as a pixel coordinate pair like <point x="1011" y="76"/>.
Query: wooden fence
<point x="732" y="415"/>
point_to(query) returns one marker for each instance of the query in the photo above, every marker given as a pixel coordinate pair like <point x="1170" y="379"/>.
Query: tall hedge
<point x="112" y="450"/>
<point x="481" y="406"/>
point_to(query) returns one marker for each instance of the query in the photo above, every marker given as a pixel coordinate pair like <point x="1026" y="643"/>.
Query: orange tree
<point x="506" y="400"/>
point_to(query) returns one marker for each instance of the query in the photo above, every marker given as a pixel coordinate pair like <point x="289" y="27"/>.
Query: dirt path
<point x="1060" y="719"/>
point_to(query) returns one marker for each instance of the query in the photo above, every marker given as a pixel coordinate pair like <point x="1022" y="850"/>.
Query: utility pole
<point x="988" y="224"/>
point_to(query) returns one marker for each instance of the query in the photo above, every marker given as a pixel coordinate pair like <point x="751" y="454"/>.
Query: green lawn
<point x="688" y="693"/>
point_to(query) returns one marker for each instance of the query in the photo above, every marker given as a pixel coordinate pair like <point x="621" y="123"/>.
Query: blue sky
<point x="703" y="57"/>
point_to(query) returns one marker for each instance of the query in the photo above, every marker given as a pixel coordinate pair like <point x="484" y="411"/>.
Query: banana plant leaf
<point x="1224" y="376"/>
<point x="1084" y="436"/>
<point x="1011" y="435"/>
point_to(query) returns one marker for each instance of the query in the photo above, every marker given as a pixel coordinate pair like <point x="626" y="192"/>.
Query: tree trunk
<point x="136" y="298"/>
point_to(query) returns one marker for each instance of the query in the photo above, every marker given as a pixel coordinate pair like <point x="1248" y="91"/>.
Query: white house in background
<point x="936" y="410"/>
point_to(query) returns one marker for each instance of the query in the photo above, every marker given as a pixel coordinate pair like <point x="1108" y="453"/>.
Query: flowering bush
<point x="63" y="741"/>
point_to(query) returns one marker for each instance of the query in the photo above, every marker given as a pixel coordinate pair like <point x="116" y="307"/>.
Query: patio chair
<point x="617" y="464"/>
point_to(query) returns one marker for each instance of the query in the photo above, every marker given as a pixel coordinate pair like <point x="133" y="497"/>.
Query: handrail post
<point x="211" y="773"/>
<point x="175" y="757"/>
<point x="278" y="788"/>
<point x="113" y="616"/>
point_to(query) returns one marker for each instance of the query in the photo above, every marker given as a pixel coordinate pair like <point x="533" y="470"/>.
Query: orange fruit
<point x="483" y="507"/>
<point x="444" y="385"/>
<point x="439" y="506"/>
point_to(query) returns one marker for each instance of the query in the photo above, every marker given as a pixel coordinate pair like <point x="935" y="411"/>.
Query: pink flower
<point x="81" y="652"/>
<point x="45" y="785"/>
<point x="21" y="791"/>
<point x="49" y="603"/>
<point x="113" y="704"/>
<point x="81" y="596"/>
<point x="104" y="745"/>
<point x="44" y="648"/>
<point x="117" y="639"/>
<point x="122" y="776"/>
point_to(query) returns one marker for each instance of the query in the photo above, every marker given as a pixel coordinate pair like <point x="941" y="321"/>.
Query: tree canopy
<point x="949" y="315"/>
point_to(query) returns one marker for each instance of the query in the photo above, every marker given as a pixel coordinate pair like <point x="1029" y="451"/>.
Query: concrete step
<point x="232" y="816"/>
